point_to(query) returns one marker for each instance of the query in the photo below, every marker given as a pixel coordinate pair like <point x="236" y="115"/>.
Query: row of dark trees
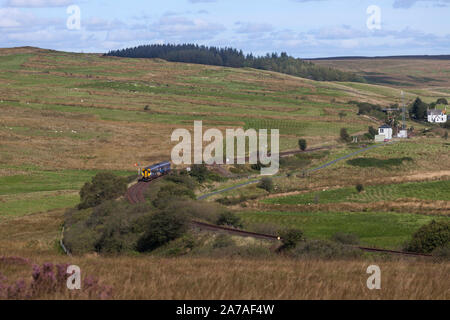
<point x="230" y="57"/>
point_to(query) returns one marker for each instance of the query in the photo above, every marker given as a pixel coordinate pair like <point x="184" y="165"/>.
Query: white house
<point x="384" y="133"/>
<point x="437" y="116"/>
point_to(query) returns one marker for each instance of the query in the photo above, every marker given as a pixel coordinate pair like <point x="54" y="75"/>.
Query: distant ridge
<point x="429" y="57"/>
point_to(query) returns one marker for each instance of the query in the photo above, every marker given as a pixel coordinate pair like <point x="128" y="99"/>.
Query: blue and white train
<point x="155" y="171"/>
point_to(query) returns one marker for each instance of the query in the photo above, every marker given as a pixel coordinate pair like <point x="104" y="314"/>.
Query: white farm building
<point x="437" y="116"/>
<point x="384" y="133"/>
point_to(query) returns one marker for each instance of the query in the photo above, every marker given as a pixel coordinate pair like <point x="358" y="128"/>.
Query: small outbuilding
<point x="384" y="133"/>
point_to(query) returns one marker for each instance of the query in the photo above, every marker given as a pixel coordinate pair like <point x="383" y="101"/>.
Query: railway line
<point x="135" y="194"/>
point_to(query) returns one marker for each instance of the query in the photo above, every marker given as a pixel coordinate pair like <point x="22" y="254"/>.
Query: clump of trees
<point x="359" y="187"/>
<point x="302" y="144"/>
<point x="374" y="110"/>
<point x="229" y="57"/>
<point x="371" y="133"/>
<point x="201" y="173"/>
<point x="162" y="228"/>
<point x="228" y="218"/>
<point x="104" y="186"/>
<point x="290" y="238"/>
<point x="107" y="225"/>
<point x="266" y="183"/>
<point x="429" y="237"/>
<point x="345" y="137"/>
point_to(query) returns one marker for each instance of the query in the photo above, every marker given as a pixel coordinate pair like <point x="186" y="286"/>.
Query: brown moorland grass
<point x="280" y="278"/>
<point x="413" y="72"/>
<point x="150" y="277"/>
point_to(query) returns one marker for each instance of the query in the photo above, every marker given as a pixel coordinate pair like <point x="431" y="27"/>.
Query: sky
<point x="302" y="28"/>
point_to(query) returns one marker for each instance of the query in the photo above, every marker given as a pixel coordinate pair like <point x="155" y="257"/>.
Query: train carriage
<point x="155" y="171"/>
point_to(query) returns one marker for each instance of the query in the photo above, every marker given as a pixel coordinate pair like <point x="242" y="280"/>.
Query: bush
<point x="228" y="218"/>
<point x="324" y="249"/>
<point x="442" y="101"/>
<point x="182" y="179"/>
<point x="372" y="132"/>
<point x="442" y="253"/>
<point x="104" y="186"/>
<point x="429" y="237"/>
<point x="111" y="227"/>
<point x="302" y="144"/>
<point x="345" y="238"/>
<point x="359" y="187"/>
<point x="170" y="192"/>
<point x="290" y="238"/>
<point x="199" y="172"/>
<point x="345" y="137"/>
<point x="257" y="166"/>
<point x="207" y="211"/>
<point x="266" y="184"/>
<point x="162" y="228"/>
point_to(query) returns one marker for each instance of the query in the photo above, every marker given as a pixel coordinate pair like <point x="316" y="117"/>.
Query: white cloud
<point x="14" y="18"/>
<point x="252" y="27"/>
<point x="38" y="3"/>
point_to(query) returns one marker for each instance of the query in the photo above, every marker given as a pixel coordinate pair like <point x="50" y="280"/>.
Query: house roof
<point x="434" y="112"/>
<point x="385" y="126"/>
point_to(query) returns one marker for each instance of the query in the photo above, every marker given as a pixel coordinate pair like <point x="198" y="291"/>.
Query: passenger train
<point x="155" y="171"/>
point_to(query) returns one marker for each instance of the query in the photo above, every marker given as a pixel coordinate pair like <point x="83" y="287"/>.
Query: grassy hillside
<point x="67" y="116"/>
<point x="414" y="73"/>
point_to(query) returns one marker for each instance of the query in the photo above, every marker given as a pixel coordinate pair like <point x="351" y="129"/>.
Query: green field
<point x="36" y="190"/>
<point x="382" y="229"/>
<point x="435" y="190"/>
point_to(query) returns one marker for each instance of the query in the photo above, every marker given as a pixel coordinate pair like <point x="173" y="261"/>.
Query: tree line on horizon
<point x="230" y="57"/>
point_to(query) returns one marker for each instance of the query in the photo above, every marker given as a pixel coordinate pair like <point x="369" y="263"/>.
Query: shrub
<point x="104" y="186"/>
<point x="345" y="238"/>
<point x="359" y="187"/>
<point x="325" y="249"/>
<point x="442" y="253"/>
<point x="199" y="172"/>
<point x="429" y="237"/>
<point x="290" y="238"/>
<point x="162" y="228"/>
<point x="170" y="192"/>
<point x="257" y="166"/>
<point x="372" y="132"/>
<point x="228" y="218"/>
<point x="442" y="101"/>
<point x="266" y="184"/>
<point x="111" y="227"/>
<point x="302" y="144"/>
<point x="345" y="137"/>
<point x="182" y="179"/>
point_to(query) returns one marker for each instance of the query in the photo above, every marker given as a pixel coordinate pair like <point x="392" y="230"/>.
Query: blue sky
<point x="303" y="28"/>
